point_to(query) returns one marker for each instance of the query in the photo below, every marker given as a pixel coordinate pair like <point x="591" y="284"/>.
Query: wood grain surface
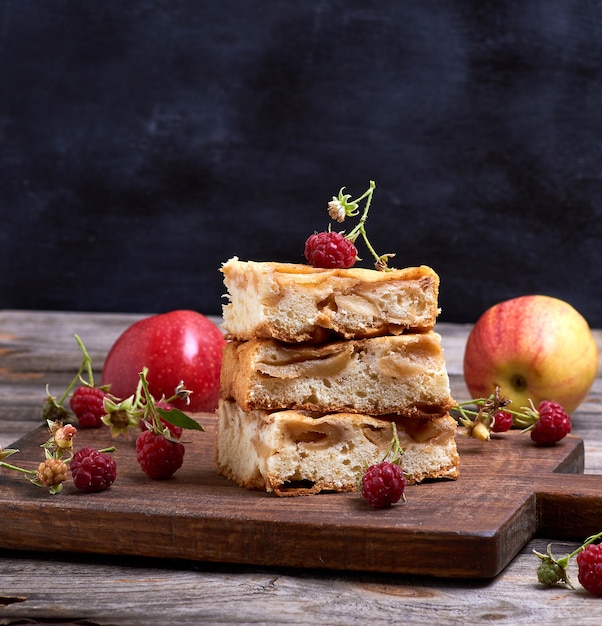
<point x="200" y="515"/>
<point x="66" y="587"/>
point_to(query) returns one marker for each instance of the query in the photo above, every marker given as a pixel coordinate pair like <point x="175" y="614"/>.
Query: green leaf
<point x="179" y="418"/>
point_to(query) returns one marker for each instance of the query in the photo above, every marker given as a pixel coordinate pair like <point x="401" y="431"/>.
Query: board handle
<point x="569" y="506"/>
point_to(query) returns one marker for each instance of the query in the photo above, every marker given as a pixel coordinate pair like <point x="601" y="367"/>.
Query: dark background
<point x="143" y="143"/>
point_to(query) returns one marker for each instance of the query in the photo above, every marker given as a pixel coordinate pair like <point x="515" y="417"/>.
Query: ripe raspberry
<point x="589" y="561"/>
<point x="330" y="250"/>
<point x="92" y="470"/>
<point x="158" y="457"/>
<point x="52" y="472"/>
<point x="502" y="422"/>
<point x="383" y="484"/>
<point x="553" y="424"/>
<point x="176" y="431"/>
<point x="88" y="405"/>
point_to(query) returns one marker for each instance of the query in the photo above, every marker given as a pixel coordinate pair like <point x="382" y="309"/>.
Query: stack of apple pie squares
<point x="319" y="364"/>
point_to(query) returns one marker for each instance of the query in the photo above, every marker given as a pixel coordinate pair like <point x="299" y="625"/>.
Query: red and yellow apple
<point x="534" y="348"/>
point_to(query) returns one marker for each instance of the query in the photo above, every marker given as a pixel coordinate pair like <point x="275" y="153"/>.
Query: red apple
<point x="176" y="346"/>
<point x="534" y="348"/>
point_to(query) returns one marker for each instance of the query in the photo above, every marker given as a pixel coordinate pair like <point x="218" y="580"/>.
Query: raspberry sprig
<point x="53" y="471"/>
<point x="489" y="411"/>
<point x="159" y="450"/>
<point x="86" y="401"/>
<point x="329" y="249"/>
<point x="383" y="484"/>
<point x="554" y="571"/>
<point x="159" y="416"/>
<point x="547" y="424"/>
<point x="142" y="410"/>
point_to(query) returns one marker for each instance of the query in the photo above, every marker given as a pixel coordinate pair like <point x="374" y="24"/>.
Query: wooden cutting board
<point x="509" y="490"/>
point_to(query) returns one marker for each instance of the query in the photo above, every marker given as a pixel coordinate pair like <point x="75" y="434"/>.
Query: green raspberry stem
<point x="87" y="362"/>
<point x="341" y="207"/>
<point x="359" y="228"/>
<point x="10" y="466"/>
<point x="394" y="450"/>
<point x="586" y="543"/>
<point x="523" y="418"/>
<point x="150" y="403"/>
<point x="86" y="365"/>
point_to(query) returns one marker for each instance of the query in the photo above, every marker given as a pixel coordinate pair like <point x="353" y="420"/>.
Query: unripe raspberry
<point x="52" y="473"/>
<point x="550" y="572"/>
<point x="480" y="431"/>
<point x="63" y="437"/>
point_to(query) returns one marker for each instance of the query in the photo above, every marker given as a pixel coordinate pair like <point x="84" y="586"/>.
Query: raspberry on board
<point x="553" y="424"/>
<point x="383" y="484"/>
<point x="502" y="422"/>
<point x="87" y="403"/>
<point x="330" y="250"/>
<point x="93" y="471"/>
<point x="589" y="562"/>
<point x="158" y="457"/>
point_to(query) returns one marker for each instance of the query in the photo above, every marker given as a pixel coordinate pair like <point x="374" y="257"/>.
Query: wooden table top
<point x="38" y="348"/>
